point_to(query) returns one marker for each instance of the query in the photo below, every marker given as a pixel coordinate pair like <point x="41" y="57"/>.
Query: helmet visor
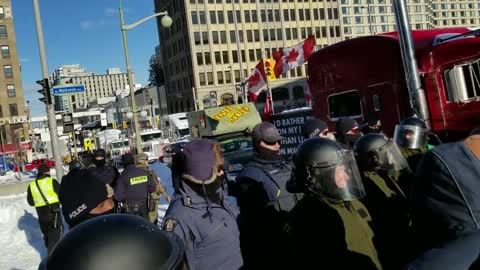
<point x="411" y="137"/>
<point x="340" y="181"/>
<point x="389" y="157"/>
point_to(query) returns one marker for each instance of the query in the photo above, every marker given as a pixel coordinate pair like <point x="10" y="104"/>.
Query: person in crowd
<point x="117" y="241"/>
<point x="200" y="214"/>
<point x="154" y="197"/>
<point x="372" y="124"/>
<point x="264" y="200"/>
<point x="314" y="127"/>
<point x="380" y="160"/>
<point x="411" y="135"/>
<point x="103" y="171"/>
<point x="165" y="174"/>
<point x="446" y="201"/>
<point x="133" y="186"/>
<point x="43" y="194"/>
<point x="347" y="131"/>
<point x="83" y="196"/>
<point x="329" y="228"/>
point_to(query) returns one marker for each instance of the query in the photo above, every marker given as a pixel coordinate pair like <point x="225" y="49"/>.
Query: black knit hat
<point x="313" y="127"/>
<point x="43" y="169"/>
<point x="80" y="192"/>
<point x="128" y="159"/>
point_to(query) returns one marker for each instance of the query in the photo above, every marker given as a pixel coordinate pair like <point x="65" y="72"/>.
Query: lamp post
<point x="166" y="22"/>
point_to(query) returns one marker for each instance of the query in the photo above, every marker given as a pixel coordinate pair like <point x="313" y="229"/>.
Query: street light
<point x="166" y="21"/>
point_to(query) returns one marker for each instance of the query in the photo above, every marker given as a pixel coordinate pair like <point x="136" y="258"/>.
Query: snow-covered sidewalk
<point x="20" y="236"/>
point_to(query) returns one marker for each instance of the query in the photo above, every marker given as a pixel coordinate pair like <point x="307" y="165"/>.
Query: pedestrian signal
<point x="87" y="145"/>
<point x="124" y="124"/>
<point x="269" y="64"/>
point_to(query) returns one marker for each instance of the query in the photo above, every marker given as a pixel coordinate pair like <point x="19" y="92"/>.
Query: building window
<point x="13" y="109"/>
<point x="196" y="37"/>
<point x="232" y="37"/>
<point x="194" y="17"/>
<point x="210" y="78"/>
<point x="230" y="16"/>
<point x="226" y="99"/>
<point x="11" y="90"/>
<point x="201" y="15"/>
<point x="3" y="31"/>
<point x="221" y="19"/>
<point x="228" y="77"/>
<point x="256" y="35"/>
<point x="220" y="77"/>
<point x="215" y="37"/>
<point x="199" y="59"/>
<point x="254" y="16"/>
<point x="223" y="37"/>
<point x="202" y="79"/>
<point x="2" y="13"/>
<point x="246" y="14"/>
<point x="207" y="58"/>
<point x="235" y="56"/>
<point x="7" y="70"/>
<point x="205" y="38"/>
<point x="346" y="104"/>
<point x="218" y="58"/>
<point x="213" y="17"/>
<point x="225" y="57"/>
<point x="5" y="51"/>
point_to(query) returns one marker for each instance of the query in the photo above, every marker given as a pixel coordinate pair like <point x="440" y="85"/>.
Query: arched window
<point x="209" y="101"/>
<point x="227" y="99"/>
<point x="299" y="97"/>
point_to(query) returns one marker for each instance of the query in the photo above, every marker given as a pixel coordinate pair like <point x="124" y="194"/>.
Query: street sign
<point x="70" y="89"/>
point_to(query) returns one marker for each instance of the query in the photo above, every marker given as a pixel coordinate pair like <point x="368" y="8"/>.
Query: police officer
<point x="314" y="127"/>
<point x="103" y="171"/>
<point x="43" y="194"/>
<point x="154" y="197"/>
<point x="264" y="200"/>
<point x="133" y="186"/>
<point x="329" y="228"/>
<point x="411" y="135"/>
<point x="380" y="161"/>
<point x="200" y="213"/>
<point x="117" y="242"/>
<point x="347" y="131"/>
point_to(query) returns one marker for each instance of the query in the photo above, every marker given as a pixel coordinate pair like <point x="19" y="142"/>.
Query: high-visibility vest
<point x="46" y="184"/>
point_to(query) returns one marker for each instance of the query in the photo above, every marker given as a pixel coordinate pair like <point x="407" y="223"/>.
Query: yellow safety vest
<point x="46" y="184"/>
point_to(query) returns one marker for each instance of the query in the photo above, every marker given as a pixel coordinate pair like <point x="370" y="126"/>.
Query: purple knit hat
<point x="199" y="162"/>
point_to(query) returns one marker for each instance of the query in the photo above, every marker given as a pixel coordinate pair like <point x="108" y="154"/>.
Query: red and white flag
<point x="256" y="81"/>
<point x="290" y="58"/>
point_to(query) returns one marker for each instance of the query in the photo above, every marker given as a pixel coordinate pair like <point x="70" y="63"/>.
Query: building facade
<point x="96" y="86"/>
<point x="213" y="46"/>
<point x="13" y="111"/>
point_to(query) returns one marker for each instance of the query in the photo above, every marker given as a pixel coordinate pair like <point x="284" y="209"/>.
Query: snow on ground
<point x="21" y="240"/>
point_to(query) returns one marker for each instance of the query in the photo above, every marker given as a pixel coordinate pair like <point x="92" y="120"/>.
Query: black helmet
<point x="375" y="152"/>
<point x="99" y="153"/>
<point x="411" y="133"/>
<point x="326" y="169"/>
<point x="117" y="242"/>
<point x="75" y="164"/>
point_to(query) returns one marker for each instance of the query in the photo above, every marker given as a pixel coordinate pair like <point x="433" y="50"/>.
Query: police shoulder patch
<point x="169" y="224"/>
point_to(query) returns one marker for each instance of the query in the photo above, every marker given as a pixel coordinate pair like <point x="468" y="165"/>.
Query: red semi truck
<point x="366" y="75"/>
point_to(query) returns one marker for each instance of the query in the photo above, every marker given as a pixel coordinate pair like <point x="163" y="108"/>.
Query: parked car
<point x="35" y="163"/>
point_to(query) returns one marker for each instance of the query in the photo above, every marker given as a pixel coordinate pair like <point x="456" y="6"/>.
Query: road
<point x="13" y="188"/>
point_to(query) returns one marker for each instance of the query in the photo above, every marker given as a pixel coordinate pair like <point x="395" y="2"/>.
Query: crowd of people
<point x="348" y="199"/>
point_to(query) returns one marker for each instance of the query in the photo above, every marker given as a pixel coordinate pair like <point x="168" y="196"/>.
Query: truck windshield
<point x="235" y="144"/>
<point x="184" y="132"/>
<point x="151" y="136"/>
<point x="119" y="144"/>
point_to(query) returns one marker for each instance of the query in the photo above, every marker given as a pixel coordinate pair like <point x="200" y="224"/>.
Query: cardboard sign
<point x="290" y="126"/>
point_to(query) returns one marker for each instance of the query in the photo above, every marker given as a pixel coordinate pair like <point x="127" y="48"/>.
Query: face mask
<point x="350" y="139"/>
<point x="211" y="190"/>
<point x="99" y="163"/>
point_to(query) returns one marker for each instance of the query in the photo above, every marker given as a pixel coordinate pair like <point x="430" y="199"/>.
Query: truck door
<point x="381" y="99"/>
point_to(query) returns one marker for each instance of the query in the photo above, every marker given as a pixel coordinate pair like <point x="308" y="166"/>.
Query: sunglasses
<point x="272" y="143"/>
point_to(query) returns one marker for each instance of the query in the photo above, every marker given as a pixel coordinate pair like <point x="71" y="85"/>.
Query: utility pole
<point x="52" y="121"/>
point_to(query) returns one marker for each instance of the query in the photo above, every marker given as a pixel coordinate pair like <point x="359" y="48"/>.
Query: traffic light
<point x="45" y="91"/>
<point x="67" y="122"/>
<point x="114" y="125"/>
<point x="124" y="124"/>
<point x="269" y="64"/>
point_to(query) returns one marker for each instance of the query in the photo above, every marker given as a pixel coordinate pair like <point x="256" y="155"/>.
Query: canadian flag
<point x="256" y="81"/>
<point x="293" y="57"/>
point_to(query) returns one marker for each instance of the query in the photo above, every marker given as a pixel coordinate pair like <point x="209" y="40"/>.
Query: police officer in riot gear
<point x="117" y="242"/>
<point x="330" y="214"/>
<point x="380" y="161"/>
<point x="103" y="171"/>
<point x="411" y="135"/>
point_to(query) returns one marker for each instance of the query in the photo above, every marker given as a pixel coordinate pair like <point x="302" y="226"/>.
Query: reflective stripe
<point x="46" y="184"/>
<point x="138" y="180"/>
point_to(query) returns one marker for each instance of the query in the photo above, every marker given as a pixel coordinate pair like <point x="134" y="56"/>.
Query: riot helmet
<point x="117" y="242"/>
<point x="324" y="168"/>
<point x="411" y="133"/>
<point x="375" y="152"/>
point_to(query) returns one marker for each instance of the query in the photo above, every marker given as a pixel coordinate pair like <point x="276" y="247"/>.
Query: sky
<point x="83" y="32"/>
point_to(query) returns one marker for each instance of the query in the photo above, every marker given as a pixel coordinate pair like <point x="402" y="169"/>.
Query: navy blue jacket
<point x="134" y="184"/>
<point x="459" y="254"/>
<point x="209" y="231"/>
<point x="446" y="195"/>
